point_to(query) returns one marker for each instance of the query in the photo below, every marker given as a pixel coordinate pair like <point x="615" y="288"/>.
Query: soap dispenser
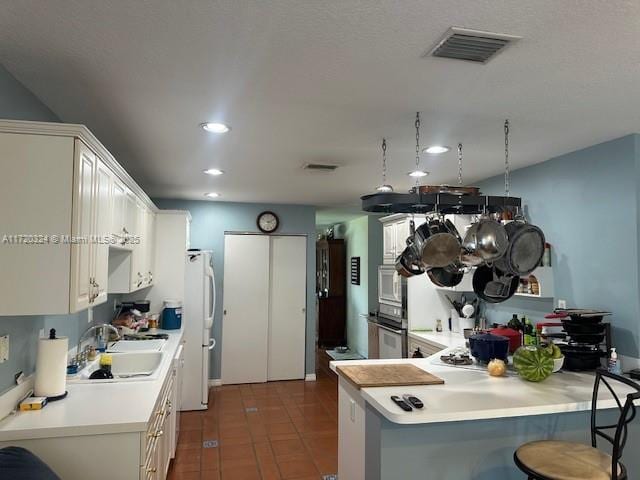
<point x="614" y="363"/>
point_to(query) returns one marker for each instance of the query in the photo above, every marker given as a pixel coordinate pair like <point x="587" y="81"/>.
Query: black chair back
<point x="627" y="414"/>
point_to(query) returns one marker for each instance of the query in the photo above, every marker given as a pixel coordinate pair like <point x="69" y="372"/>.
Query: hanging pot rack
<point x="447" y="199"/>
<point x="421" y="203"/>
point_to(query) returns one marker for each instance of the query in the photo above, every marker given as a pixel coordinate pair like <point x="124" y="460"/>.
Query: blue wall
<point x="363" y="238"/>
<point x="586" y="202"/>
<point x="18" y="103"/>
<point x="212" y="219"/>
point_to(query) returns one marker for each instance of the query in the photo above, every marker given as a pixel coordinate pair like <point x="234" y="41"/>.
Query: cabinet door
<point x="150" y="244"/>
<point x="401" y="232"/>
<point x="136" y="220"/>
<point x="351" y="432"/>
<point x="85" y="163"/>
<point x="102" y="227"/>
<point x="389" y="242"/>
<point x="119" y="208"/>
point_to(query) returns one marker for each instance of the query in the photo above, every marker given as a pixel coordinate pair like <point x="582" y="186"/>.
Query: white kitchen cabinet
<point x="62" y="196"/>
<point x="396" y="229"/>
<point x="102" y="217"/>
<point x="84" y="174"/>
<point x="351" y="432"/>
<point x="174" y="429"/>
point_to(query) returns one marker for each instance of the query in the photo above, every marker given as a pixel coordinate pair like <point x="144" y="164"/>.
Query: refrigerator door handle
<point x="212" y="343"/>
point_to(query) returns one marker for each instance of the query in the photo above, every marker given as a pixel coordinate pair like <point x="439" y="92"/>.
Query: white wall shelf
<point x="544" y="276"/>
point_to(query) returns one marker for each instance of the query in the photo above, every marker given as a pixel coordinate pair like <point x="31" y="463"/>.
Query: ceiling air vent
<point x="320" y="167"/>
<point x="471" y="45"/>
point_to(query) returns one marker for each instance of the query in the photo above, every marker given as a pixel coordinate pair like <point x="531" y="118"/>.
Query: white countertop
<point x="474" y="395"/>
<point x="445" y="339"/>
<point x="95" y="408"/>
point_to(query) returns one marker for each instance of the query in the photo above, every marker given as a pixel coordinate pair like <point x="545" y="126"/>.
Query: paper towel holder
<point x="52" y="336"/>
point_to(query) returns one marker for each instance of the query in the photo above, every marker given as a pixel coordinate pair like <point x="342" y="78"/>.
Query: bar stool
<point x="556" y="460"/>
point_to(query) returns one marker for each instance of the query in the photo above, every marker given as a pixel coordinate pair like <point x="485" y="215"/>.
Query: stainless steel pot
<point x="440" y="243"/>
<point x="485" y="241"/>
<point x="525" y="249"/>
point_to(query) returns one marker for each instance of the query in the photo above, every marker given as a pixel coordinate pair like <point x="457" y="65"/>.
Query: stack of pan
<point x="586" y="332"/>
<point x="501" y="253"/>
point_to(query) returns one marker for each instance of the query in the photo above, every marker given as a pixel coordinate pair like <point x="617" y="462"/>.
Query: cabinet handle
<point x="151" y="470"/>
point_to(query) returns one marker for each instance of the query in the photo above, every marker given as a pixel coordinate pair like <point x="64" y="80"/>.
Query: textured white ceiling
<point x="323" y="81"/>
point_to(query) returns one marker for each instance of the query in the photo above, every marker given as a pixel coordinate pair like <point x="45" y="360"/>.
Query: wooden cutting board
<point x="387" y="375"/>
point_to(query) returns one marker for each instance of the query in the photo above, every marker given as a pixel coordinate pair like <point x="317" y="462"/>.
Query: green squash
<point x="533" y="363"/>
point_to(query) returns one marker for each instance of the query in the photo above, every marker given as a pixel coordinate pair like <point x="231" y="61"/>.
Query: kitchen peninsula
<point x="469" y="426"/>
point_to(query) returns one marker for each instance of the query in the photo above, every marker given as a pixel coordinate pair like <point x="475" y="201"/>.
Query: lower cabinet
<point x="351" y="432"/>
<point x="157" y="444"/>
<point x="108" y="456"/>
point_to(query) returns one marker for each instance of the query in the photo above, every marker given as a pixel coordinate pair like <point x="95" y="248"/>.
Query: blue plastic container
<point x="171" y="315"/>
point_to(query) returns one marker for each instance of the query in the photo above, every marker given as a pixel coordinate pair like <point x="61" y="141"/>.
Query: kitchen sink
<point x="137" y="345"/>
<point x="130" y="366"/>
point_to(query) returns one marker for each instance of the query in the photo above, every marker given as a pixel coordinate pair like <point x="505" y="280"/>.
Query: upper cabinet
<point x="70" y="217"/>
<point x="395" y="231"/>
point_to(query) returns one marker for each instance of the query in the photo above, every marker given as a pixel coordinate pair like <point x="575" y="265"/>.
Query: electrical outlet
<point x="562" y="303"/>
<point x="4" y="348"/>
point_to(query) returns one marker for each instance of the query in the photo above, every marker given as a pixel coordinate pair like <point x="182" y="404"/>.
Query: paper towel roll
<point x="51" y="367"/>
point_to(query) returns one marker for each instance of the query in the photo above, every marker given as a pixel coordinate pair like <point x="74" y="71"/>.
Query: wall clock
<point x="268" y="222"/>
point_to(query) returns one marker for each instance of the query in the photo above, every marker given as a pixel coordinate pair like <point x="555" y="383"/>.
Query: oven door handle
<point x="389" y="329"/>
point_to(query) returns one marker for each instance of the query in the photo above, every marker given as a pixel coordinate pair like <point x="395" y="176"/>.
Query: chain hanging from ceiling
<point x="459" y="164"/>
<point x="417" y="170"/>
<point x="384" y="187"/>
<point x="507" y="172"/>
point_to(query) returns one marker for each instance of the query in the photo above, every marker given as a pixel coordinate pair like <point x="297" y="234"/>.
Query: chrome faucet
<point x="81" y="355"/>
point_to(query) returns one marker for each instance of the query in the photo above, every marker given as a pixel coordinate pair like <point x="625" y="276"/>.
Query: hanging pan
<point x="409" y="264"/>
<point x="485" y="241"/>
<point x="525" y="250"/>
<point x="448" y="276"/>
<point x="492" y="285"/>
<point x="440" y="243"/>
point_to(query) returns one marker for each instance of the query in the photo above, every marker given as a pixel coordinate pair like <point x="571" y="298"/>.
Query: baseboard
<point x="310" y="377"/>
<point x="215" y="382"/>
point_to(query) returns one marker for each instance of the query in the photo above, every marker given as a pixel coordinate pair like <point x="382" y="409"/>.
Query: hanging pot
<point x="442" y="246"/>
<point x="409" y="264"/>
<point x="485" y="241"/>
<point x="488" y="291"/>
<point x="448" y="276"/>
<point x="525" y="249"/>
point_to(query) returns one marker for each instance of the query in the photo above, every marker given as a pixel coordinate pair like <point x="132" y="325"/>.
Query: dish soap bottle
<point x="614" y="363"/>
<point x="104" y="372"/>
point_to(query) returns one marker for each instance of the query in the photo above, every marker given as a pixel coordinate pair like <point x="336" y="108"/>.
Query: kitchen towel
<point x="51" y="366"/>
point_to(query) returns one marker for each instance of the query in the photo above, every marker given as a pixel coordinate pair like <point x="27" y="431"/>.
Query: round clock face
<point x="268" y="222"/>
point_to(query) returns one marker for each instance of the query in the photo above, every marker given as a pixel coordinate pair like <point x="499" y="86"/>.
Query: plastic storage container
<point x="171" y="315"/>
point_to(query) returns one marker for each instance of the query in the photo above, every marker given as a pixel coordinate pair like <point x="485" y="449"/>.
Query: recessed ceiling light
<point x="418" y="173"/>
<point x="212" y="195"/>
<point x="213" y="171"/>
<point x="215" y="127"/>
<point x="436" y="149"/>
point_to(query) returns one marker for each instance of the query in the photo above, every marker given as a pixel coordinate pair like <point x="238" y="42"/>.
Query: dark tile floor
<point x="276" y="430"/>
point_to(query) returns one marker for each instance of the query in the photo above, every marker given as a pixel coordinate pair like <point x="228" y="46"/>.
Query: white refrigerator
<point x="197" y="320"/>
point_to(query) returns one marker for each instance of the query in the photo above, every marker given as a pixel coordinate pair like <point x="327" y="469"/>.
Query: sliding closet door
<point x="246" y="309"/>
<point x="287" y="315"/>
